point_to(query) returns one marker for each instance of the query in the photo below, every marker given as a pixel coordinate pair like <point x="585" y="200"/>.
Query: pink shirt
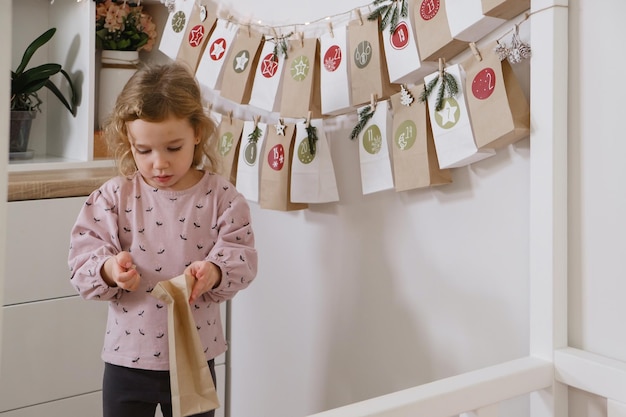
<point x="164" y="231"/>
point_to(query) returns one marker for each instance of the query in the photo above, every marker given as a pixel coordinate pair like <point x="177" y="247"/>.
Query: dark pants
<point x="128" y="392"/>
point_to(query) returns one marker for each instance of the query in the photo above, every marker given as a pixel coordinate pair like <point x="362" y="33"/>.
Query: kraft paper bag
<point x="198" y="31"/>
<point x="301" y="80"/>
<point x="175" y="28"/>
<point x="334" y="73"/>
<point x="215" y="54"/>
<point x="192" y="387"/>
<point x="467" y="21"/>
<point x="413" y="152"/>
<point x="401" y="55"/>
<point x="248" y="161"/>
<point x="312" y="173"/>
<point x="368" y="69"/>
<point x="238" y="71"/>
<point x="452" y="129"/>
<point x="375" y="163"/>
<point x="505" y="9"/>
<point x="228" y="139"/>
<point x="267" y="78"/>
<point x="497" y="105"/>
<point x="275" y="184"/>
<point x="432" y="31"/>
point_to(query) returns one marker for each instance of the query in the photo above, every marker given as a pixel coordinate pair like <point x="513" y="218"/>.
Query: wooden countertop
<point x="38" y="185"/>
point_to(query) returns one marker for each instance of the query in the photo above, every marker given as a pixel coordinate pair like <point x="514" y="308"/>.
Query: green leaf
<point x="32" y="48"/>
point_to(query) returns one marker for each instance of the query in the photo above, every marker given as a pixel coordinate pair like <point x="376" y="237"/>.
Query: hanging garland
<point x="448" y="84"/>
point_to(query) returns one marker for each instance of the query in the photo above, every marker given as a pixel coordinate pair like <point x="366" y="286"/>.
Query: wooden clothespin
<point x="230" y="117"/>
<point x="475" y="51"/>
<point x="373" y="100"/>
<point x="358" y="14"/>
<point x="442" y="65"/>
<point x="330" y="29"/>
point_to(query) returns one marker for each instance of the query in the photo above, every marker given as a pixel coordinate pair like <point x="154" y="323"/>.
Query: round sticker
<point x="484" y="83"/>
<point x="372" y="140"/>
<point x="429" y="9"/>
<point x="405" y="135"/>
<point x="449" y="115"/>
<point x="400" y="36"/>
<point x="178" y="21"/>
<point x="226" y="143"/>
<point x="250" y="153"/>
<point x="300" y="68"/>
<point x="363" y="54"/>
<point x="196" y="35"/>
<point x="218" y="48"/>
<point x="276" y="157"/>
<point x="269" y="66"/>
<point x="332" y="58"/>
<point x="304" y="152"/>
<point x="240" y="63"/>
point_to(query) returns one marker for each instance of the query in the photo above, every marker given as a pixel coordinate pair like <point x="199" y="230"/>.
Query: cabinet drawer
<point x="38" y="239"/>
<point x="88" y="405"/>
<point x="51" y="350"/>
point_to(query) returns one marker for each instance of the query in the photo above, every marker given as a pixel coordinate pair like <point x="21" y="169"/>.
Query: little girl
<point x="167" y="214"/>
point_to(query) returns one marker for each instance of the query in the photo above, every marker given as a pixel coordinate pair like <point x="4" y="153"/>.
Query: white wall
<point x="597" y="201"/>
<point x="381" y="292"/>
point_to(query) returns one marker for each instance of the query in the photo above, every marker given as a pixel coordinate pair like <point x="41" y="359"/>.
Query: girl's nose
<point x="160" y="161"/>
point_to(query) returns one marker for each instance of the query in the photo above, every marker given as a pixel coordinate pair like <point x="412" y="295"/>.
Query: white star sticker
<point x="218" y="49"/>
<point x="280" y="128"/>
<point x="242" y="60"/>
<point x="448" y="114"/>
<point x="300" y="67"/>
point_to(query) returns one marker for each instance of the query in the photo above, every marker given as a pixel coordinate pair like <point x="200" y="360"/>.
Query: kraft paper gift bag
<point x="401" y="55"/>
<point x="368" y="69"/>
<point x="228" y="139"/>
<point x="215" y="54"/>
<point x="497" y="105"/>
<point x="198" y="30"/>
<point x="467" y="21"/>
<point x="301" y="80"/>
<point x="312" y="172"/>
<point x="275" y="188"/>
<point x="248" y="161"/>
<point x="452" y="129"/>
<point x="267" y="78"/>
<point x="238" y="71"/>
<point x="192" y="387"/>
<point x="375" y="163"/>
<point x="334" y="72"/>
<point x="432" y="31"/>
<point x="175" y="28"/>
<point x="505" y="9"/>
<point x="413" y="153"/>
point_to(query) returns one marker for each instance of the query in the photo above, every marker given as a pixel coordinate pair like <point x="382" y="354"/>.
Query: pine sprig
<point x="365" y="114"/>
<point x="311" y="133"/>
<point x="280" y="45"/>
<point x="255" y="135"/>
<point x="448" y="85"/>
<point x="390" y="13"/>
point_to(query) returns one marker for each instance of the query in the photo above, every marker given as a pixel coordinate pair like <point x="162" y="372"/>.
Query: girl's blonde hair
<point x="153" y="94"/>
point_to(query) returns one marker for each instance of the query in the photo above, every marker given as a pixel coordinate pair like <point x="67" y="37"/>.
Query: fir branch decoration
<point x="280" y="45"/>
<point x="311" y="134"/>
<point x="389" y="13"/>
<point x="255" y="135"/>
<point x="448" y="84"/>
<point x="365" y="115"/>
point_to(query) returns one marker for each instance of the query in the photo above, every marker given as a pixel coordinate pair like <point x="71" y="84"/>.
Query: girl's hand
<point x="207" y="275"/>
<point x="119" y="271"/>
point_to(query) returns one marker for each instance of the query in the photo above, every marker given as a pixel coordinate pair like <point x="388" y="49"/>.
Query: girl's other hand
<point x="207" y="276"/>
<point x="119" y="271"/>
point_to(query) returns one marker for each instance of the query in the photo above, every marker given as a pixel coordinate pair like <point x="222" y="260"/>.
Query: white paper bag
<point x="267" y="79"/>
<point x="334" y="76"/>
<point x="403" y="59"/>
<point x="248" y="166"/>
<point x="376" y="173"/>
<point x="312" y="175"/>
<point x="452" y="130"/>
<point x="175" y="27"/>
<point x="467" y="21"/>
<point x="212" y="61"/>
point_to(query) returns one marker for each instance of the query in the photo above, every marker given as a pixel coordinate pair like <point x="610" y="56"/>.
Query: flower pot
<point x="21" y="122"/>
<point x="117" y="68"/>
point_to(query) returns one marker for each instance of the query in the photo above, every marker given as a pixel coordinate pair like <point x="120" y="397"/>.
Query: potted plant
<point x="25" y="84"/>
